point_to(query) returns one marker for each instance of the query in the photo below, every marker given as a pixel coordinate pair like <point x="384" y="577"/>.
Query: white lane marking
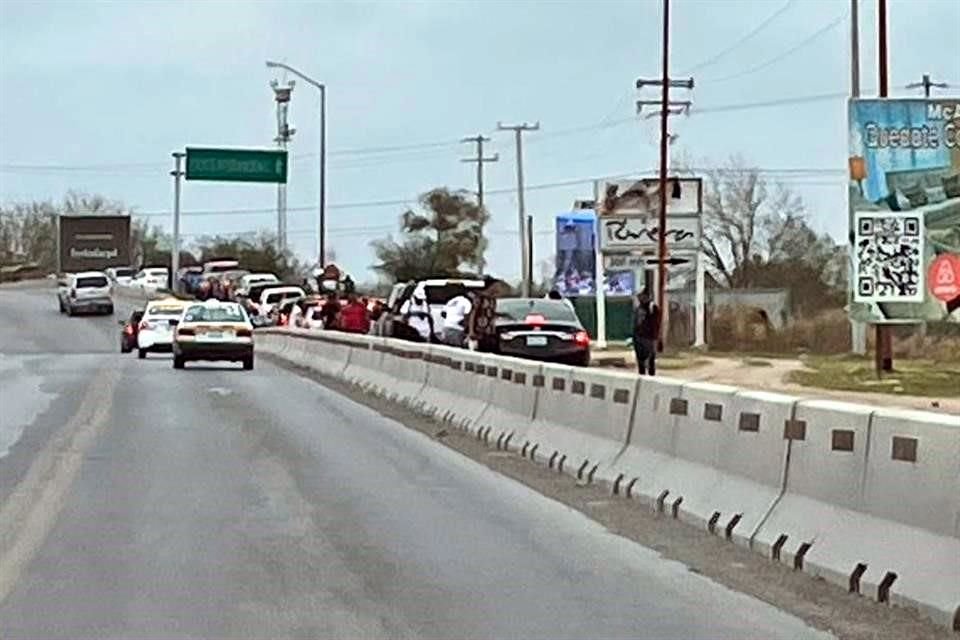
<point x="28" y="515"/>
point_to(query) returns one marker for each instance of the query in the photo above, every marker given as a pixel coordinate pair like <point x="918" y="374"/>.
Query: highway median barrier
<point x="866" y="498"/>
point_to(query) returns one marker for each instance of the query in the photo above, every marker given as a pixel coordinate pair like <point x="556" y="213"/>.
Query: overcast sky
<point x="95" y="97"/>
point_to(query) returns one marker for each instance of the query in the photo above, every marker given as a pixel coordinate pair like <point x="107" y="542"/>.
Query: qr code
<point x="888" y="257"/>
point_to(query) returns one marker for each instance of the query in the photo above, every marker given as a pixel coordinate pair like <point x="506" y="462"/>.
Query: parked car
<point x="85" y="291"/>
<point x="213" y="330"/>
<point x="542" y="329"/>
<point x="251" y="279"/>
<point x="130" y="329"/>
<point x="437" y="293"/>
<point x="151" y="278"/>
<point x="121" y="275"/>
<point x="277" y="297"/>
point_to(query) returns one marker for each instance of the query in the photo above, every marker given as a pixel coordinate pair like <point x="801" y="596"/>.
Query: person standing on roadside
<point x="455" y="313"/>
<point x="646" y="332"/>
<point x="331" y="311"/>
<point x="482" y="321"/>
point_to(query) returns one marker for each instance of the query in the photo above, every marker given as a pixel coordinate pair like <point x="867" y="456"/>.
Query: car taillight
<point x="244" y="333"/>
<point x="185" y="331"/>
<point x="582" y="338"/>
<point x="535" y="320"/>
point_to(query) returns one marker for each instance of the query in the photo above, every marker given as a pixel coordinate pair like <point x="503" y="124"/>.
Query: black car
<point x="542" y="329"/>
<point x="128" y="335"/>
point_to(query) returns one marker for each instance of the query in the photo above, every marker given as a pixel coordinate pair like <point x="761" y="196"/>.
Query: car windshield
<point x="520" y="308"/>
<point x="221" y="313"/>
<point x="171" y="311"/>
<point x="123" y="273"/>
<point x="91" y="282"/>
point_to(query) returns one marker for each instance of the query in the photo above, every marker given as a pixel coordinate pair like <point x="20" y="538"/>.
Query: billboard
<point x="576" y="262"/>
<point x="642" y="197"/>
<point x="904" y="214"/>
<point x="93" y="243"/>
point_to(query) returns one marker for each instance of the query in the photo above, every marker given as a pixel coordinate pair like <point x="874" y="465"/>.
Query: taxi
<point x="157" y="325"/>
<point x="213" y="331"/>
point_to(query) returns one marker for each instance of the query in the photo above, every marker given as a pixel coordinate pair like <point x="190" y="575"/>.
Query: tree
<point x="440" y="242"/>
<point x="256" y="252"/>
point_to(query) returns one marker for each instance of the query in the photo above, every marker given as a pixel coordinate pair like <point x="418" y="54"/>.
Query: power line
<point x="768" y="63"/>
<point x="760" y="27"/>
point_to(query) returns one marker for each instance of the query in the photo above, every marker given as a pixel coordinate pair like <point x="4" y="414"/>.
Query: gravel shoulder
<point x="820" y="604"/>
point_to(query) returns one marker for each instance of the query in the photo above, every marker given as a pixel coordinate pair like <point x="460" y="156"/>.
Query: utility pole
<point x="927" y="84"/>
<point x="518" y="130"/>
<point x="883" y="359"/>
<point x="284" y="133"/>
<point x="175" y="250"/>
<point x="858" y="330"/>
<point x="480" y="160"/>
<point x="665" y="112"/>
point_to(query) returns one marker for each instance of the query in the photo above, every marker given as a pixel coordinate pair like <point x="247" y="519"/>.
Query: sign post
<point x="237" y="165"/>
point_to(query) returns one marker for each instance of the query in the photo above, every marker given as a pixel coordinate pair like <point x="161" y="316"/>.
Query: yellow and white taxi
<point x="213" y="331"/>
<point x="158" y="324"/>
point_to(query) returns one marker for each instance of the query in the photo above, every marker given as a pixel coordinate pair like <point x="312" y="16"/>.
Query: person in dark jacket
<point x="646" y="332"/>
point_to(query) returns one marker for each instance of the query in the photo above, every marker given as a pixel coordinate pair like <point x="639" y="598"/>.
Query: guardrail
<point x="867" y="498"/>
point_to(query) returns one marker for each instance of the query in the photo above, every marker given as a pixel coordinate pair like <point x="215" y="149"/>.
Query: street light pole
<point x="322" y="213"/>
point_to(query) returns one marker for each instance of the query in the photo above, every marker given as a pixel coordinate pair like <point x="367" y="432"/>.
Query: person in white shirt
<point x="455" y="313"/>
<point x="416" y="313"/>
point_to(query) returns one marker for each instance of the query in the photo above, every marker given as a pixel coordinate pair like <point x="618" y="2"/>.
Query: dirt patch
<point x="820" y="604"/>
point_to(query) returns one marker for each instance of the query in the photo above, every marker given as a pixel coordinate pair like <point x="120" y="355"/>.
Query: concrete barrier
<point x="405" y="369"/>
<point x="512" y="400"/>
<point x="869" y="513"/>
<point x="365" y="364"/>
<point x="581" y="419"/>
<point x="456" y="389"/>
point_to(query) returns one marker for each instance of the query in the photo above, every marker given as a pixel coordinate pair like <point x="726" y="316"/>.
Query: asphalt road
<point x="141" y="502"/>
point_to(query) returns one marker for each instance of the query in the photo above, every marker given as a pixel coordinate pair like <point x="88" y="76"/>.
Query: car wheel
<point x="248" y="363"/>
<point x="62" y="308"/>
<point x="582" y="360"/>
<point x="178" y="362"/>
<point x="141" y="353"/>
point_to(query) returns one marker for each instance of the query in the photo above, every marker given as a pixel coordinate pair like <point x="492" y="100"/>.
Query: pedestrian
<point x="455" y="313"/>
<point x="331" y="311"/>
<point x="482" y="322"/>
<point x="646" y="332"/>
<point x="416" y="315"/>
<point x="354" y="317"/>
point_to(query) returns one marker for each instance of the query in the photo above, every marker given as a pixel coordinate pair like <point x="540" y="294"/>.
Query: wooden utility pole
<point x="480" y="160"/>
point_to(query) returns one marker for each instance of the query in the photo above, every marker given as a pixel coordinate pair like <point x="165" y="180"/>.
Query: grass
<point x="910" y="377"/>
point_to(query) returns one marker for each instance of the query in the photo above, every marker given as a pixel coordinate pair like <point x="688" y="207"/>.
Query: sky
<point x="95" y="96"/>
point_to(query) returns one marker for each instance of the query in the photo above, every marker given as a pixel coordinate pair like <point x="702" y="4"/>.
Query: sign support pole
<point x="700" y="304"/>
<point x="175" y="250"/>
<point x="600" y="276"/>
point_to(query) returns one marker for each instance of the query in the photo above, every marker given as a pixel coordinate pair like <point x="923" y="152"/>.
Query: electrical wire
<point x="736" y="44"/>
<point x="772" y="61"/>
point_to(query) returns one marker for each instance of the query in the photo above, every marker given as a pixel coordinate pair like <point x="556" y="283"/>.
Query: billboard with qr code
<point x="904" y="188"/>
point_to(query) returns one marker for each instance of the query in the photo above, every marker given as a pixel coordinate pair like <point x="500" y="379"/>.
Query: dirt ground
<point x="821" y="604"/>
<point x="769" y="374"/>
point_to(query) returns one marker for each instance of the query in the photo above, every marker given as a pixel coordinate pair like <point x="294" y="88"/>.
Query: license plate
<point x="213" y="335"/>
<point x="536" y="341"/>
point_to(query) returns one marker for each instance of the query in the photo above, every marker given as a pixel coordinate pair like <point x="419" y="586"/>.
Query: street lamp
<point x="321" y="229"/>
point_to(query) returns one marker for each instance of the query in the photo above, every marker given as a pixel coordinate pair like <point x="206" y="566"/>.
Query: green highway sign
<point x="236" y="165"/>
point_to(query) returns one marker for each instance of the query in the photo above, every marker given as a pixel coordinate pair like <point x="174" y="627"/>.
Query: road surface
<point x="141" y="502"/>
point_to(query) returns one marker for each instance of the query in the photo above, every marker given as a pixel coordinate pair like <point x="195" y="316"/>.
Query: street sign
<point x="639" y="233"/>
<point x="944" y="277"/>
<point x="236" y="165"/>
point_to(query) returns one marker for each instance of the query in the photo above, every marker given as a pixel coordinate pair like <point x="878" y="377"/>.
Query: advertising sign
<point x="642" y="197"/>
<point x="576" y="254"/>
<point x="635" y="233"/>
<point x="904" y="161"/>
<point x="93" y="243"/>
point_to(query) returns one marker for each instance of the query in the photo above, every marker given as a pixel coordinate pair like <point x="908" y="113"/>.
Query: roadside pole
<point x="518" y="130"/>
<point x="175" y="251"/>
<point x="600" y="273"/>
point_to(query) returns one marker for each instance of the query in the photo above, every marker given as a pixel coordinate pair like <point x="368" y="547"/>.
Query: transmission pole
<point x="480" y="160"/>
<point x="518" y="130"/>
<point x="281" y="95"/>
<point x="927" y="84"/>
<point x="665" y="82"/>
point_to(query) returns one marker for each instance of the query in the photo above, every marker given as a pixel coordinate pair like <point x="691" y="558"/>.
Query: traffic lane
<point x="30" y="323"/>
<point x="260" y="504"/>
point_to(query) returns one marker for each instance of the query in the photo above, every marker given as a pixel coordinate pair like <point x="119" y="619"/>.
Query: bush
<point x="746" y="329"/>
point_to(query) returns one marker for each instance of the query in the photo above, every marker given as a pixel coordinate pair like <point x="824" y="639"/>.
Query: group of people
<point x="352" y="315"/>
<point x="468" y="320"/>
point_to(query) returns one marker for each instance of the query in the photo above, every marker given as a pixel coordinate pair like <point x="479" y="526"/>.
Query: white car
<point x="313" y="318"/>
<point x="155" y="334"/>
<point x="85" y="291"/>
<point x="278" y="296"/>
<point x="251" y="279"/>
<point x="436" y="292"/>
<point x="152" y="278"/>
<point x="213" y="331"/>
<point x="121" y="275"/>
